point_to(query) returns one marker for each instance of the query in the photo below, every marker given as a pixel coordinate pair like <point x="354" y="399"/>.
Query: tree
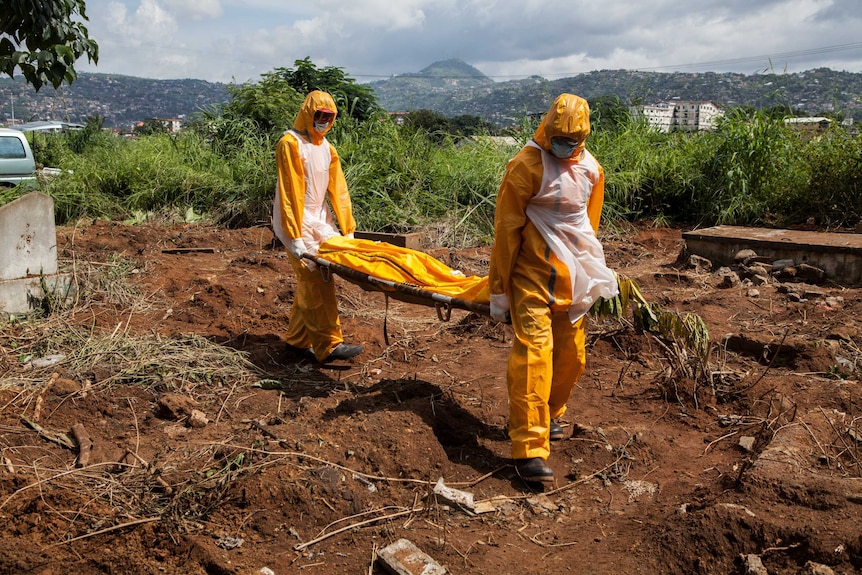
<point x="42" y="40"/>
<point x="356" y="100"/>
<point x="151" y="126"/>
<point x="271" y="103"/>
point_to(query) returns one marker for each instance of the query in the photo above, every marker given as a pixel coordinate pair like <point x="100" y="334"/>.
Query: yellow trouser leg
<point x="529" y="376"/>
<point x="314" y="320"/>
<point x="570" y="357"/>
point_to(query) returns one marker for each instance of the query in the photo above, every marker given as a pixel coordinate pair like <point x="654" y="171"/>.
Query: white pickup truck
<point x="17" y="164"/>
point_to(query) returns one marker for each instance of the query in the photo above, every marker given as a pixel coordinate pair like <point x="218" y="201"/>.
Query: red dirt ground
<point x="753" y="459"/>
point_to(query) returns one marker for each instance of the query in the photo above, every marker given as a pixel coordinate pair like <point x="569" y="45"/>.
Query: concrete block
<point x="28" y="237"/>
<point x="22" y="295"/>
<point x="404" y="558"/>
<point x="837" y="254"/>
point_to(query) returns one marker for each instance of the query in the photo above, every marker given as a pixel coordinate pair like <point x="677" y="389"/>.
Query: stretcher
<point x="417" y="278"/>
<point x="402" y="274"/>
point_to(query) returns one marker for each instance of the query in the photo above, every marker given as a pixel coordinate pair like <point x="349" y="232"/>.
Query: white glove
<point x="500" y="307"/>
<point x="349" y="236"/>
<point x="297" y="248"/>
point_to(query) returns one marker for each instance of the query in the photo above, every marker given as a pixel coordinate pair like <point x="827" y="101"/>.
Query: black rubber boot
<point x="344" y="351"/>
<point x="557" y="432"/>
<point x="534" y="470"/>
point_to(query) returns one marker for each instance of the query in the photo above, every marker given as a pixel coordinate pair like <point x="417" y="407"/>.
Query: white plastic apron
<point x="559" y="212"/>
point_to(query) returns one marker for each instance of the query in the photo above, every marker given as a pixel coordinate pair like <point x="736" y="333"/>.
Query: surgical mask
<point x="563" y="148"/>
<point x="322" y="119"/>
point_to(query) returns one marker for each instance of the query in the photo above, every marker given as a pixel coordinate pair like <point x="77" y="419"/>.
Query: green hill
<point x="450" y="87"/>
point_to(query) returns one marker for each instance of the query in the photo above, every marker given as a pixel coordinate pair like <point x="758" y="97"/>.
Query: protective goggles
<point x="324" y="116"/>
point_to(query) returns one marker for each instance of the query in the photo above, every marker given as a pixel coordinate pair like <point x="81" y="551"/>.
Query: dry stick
<point x="106" y="530"/>
<point x="57" y="476"/>
<point x="85" y="444"/>
<point x="301" y="546"/>
<point x="223" y="403"/>
<point x="768" y="367"/>
<point x="369" y="512"/>
<point x="839" y="435"/>
<point x="711" y="443"/>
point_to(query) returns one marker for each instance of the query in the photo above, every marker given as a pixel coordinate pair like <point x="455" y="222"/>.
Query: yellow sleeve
<point x="290" y="187"/>
<point x="339" y="197"/>
<point x="596" y="201"/>
<point x="520" y="183"/>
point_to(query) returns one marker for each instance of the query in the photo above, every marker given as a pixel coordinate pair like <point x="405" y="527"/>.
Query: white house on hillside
<point x="689" y="116"/>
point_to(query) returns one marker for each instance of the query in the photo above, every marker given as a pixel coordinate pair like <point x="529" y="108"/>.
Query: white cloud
<point x="196" y="9"/>
<point x="241" y="39"/>
<point x="149" y="21"/>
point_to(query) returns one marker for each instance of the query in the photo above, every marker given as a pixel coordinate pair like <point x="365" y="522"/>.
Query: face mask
<point x="563" y="148"/>
<point x="322" y="119"/>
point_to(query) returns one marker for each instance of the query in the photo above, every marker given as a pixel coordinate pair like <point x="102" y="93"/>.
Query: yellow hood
<point x="316" y="100"/>
<point x="568" y="116"/>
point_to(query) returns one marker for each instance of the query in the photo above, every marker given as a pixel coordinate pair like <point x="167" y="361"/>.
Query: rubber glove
<point x="297" y="248"/>
<point x="500" y="307"/>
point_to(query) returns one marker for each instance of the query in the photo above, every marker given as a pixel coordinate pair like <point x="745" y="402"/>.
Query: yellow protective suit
<point x="547" y="267"/>
<point x="309" y="175"/>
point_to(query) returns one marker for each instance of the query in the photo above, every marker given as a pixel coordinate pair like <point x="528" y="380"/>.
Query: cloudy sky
<point x="238" y="40"/>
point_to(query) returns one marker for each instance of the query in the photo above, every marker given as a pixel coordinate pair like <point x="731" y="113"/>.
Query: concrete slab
<point x="28" y="255"/>
<point x="24" y="295"/>
<point x="28" y="237"/>
<point x="839" y="255"/>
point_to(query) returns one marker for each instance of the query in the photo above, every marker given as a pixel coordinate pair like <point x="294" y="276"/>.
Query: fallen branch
<point x="107" y="530"/>
<point x="302" y="546"/>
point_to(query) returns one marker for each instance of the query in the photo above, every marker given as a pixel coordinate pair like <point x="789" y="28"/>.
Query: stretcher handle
<point x="438" y="299"/>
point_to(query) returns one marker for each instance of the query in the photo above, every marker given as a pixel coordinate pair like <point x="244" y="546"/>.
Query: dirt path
<point x="225" y="463"/>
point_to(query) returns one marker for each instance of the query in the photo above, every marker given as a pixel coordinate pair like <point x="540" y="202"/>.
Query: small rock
<point x="744" y="255"/>
<point x="198" y="419"/>
<point x="779" y="265"/>
<point x="835" y="301"/>
<point x="752" y="565"/>
<point x="64" y="386"/>
<point x="810" y="274"/>
<point x="746" y="442"/>
<point x="812" y="568"/>
<point x="728" y="277"/>
<point x="174" y="406"/>
<point x="699" y="263"/>
<point x="753" y="293"/>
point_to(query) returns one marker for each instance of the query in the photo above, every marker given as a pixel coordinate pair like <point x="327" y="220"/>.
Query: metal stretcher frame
<point x="401" y="291"/>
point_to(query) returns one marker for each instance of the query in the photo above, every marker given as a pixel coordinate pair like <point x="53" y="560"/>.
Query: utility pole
<point x="12" y="102"/>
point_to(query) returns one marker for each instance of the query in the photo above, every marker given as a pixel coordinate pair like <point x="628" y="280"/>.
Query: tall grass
<point x="752" y="169"/>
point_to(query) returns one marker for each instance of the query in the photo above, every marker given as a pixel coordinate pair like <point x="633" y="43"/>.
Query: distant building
<point x="687" y="116"/>
<point x="47" y="126"/>
<point x="172" y="125"/>
<point x="810" y="124"/>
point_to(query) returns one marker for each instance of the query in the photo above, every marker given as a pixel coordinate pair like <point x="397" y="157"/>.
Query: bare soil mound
<point x="176" y="433"/>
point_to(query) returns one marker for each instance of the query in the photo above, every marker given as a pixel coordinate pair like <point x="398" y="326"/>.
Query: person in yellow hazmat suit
<point x="547" y="269"/>
<point x="310" y="188"/>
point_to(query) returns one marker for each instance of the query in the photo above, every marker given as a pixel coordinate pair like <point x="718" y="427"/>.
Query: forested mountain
<point x="451" y="88"/>
<point x="813" y="92"/>
<point x="121" y="101"/>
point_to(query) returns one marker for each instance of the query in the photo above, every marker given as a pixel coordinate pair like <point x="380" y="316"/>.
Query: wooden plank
<point x="409" y="241"/>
